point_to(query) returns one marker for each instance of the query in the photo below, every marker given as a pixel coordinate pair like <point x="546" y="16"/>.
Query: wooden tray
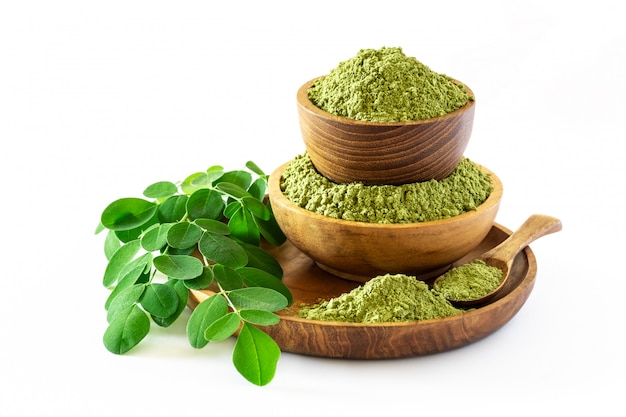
<point x="308" y="284"/>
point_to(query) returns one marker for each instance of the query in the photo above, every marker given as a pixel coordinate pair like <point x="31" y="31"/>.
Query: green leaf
<point x="132" y="234"/>
<point x="132" y="277"/>
<point x="257" y="298"/>
<point x="222" y="328"/>
<point x="270" y="229"/>
<point x="261" y="259"/>
<point x="242" y="179"/>
<point x="243" y="227"/>
<point x="255" y="355"/>
<point x="160" y="189"/>
<point x="127" y="213"/>
<point x="259" y="317"/>
<point x="173" y="209"/>
<point x="205" y="204"/>
<point x="231" y="208"/>
<point x="156" y="237"/>
<point x="111" y="244"/>
<point x="232" y="190"/>
<point x="258" y="189"/>
<point x="202" y="317"/>
<point x="159" y="300"/>
<point x="183" y="297"/>
<point x="179" y="266"/>
<point x="213" y="226"/>
<point x="184" y="235"/>
<point x="256" y="207"/>
<point x="227" y="277"/>
<point x="254" y="168"/>
<point x="201" y="282"/>
<point x="223" y="250"/>
<point x="126" y="330"/>
<point x="253" y="277"/>
<point x="122" y="257"/>
<point x="124" y="299"/>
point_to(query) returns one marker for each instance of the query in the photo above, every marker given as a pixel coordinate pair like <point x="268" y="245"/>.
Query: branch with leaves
<point x="203" y="232"/>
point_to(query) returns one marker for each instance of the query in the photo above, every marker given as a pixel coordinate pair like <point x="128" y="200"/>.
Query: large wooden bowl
<point x="359" y="251"/>
<point x="346" y="150"/>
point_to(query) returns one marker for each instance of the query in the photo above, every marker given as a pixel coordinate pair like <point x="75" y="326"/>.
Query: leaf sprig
<point x="205" y="231"/>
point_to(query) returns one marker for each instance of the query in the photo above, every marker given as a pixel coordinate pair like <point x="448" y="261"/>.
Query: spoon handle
<point x="536" y="226"/>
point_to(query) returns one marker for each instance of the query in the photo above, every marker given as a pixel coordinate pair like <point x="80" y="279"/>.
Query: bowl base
<point x="421" y="275"/>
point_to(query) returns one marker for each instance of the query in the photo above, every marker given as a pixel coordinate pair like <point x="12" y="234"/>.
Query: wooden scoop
<point x="501" y="256"/>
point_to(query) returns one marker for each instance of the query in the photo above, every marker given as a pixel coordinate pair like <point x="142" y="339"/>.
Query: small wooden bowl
<point x="359" y="251"/>
<point x="346" y="150"/>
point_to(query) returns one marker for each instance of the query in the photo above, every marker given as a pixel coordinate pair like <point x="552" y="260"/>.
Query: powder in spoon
<point x="385" y="85"/>
<point x="385" y="298"/>
<point x="463" y="190"/>
<point x="469" y="281"/>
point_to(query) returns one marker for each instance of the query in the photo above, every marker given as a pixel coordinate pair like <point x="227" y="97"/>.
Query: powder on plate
<point x="385" y="85"/>
<point x="469" y="281"/>
<point x="463" y="190"/>
<point x="385" y="298"/>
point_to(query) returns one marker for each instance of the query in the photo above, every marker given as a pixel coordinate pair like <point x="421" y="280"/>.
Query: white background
<point x="100" y="99"/>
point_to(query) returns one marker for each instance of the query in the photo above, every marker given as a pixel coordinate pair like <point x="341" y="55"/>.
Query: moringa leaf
<point x="160" y="189"/>
<point x="156" y="237"/>
<point x="183" y="297"/>
<point x="124" y="299"/>
<point x="119" y="260"/>
<point x="184" y="235"/>
<point x="257" y="298"/>
<point x="201" y="282"/>
<point x="179" y="266"/>
<point x="227" y="278"/>
<point x="222" y="328"/>
<point x="243" y="227"/>
<point x="261" y="259"/>
<point x="126" y="330"/>
<point x="213" y="226"/>
<point x="255" y="355"/>
<point x="256" y="207"/>
<point x="159" y="300"/>
<point x="127" y="214"/>
<point x="222" y="249"/>
<point x="253" y="277"/>
<point x="205" y="204"/>
<point x="259" y="317"/>
<point x="205" y="313"/>
<point x="173" y="210"/>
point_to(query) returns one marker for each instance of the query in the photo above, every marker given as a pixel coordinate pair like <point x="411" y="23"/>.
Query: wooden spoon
<point x="501" y="256"/>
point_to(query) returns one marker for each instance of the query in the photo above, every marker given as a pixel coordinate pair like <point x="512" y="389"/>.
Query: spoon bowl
<point x="502" y="256"/>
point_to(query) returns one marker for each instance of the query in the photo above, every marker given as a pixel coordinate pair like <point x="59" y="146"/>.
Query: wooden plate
<point x="308" y="283"/>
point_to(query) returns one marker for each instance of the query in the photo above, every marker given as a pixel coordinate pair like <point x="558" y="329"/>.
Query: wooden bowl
<point x="359" y="251"/>
<point x="346" y="150"/>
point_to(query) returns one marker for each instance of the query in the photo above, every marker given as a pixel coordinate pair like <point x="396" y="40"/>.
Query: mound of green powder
<point x="463" y="190"/>
<point x="385" y="298"/>
<point x="385" y="85"/>
<point x="469" y="281"/>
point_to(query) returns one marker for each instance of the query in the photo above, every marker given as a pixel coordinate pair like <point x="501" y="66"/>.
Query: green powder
<point x="463" y="190"/>
<point x="385" y="85"/>
<point x="386" y="298"/>
<point x="469" y="281"/>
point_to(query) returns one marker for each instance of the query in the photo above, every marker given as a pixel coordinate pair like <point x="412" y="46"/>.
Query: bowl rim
<point x="306" y="104"/>
<point x="276" y="194"/>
